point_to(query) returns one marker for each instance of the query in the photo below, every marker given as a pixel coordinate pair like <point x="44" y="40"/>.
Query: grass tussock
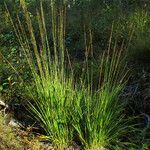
<point x="65" y="108"/>
<point x="98" y="116"/>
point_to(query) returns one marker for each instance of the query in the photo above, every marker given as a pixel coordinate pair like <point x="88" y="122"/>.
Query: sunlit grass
<point x="99" y="116"/>
<point x="65" y="108"/>
<point x="53" y="88"/>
